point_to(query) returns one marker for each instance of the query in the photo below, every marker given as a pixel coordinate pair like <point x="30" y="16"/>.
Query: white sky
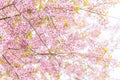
<point x="115" y="13"/>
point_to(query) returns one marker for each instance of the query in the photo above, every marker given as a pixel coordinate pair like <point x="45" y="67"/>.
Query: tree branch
<point x="10" y="65"/>
<point x="6" y="6"/>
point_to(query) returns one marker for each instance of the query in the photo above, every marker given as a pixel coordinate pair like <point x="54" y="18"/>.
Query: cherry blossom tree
<point x="56" y="39"/>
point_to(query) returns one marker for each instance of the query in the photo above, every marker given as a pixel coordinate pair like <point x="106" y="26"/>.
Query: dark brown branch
<point x="10" y="65"/>
<point x="6" y="6"/>
<point x="6" y="60"/>
<point x="13" y="49"/>
<point x="7" y="17"/>
<point x="4" y="18"/>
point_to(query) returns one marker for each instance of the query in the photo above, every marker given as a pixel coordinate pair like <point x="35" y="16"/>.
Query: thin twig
<point x="94" y="12"/>
<point x="10" y="65"/>
<point x="6" y="6"/>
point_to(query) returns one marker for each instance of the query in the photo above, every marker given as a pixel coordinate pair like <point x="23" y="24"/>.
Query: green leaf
<point x="29" y="35"/>
<point x="85" y="2"/>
